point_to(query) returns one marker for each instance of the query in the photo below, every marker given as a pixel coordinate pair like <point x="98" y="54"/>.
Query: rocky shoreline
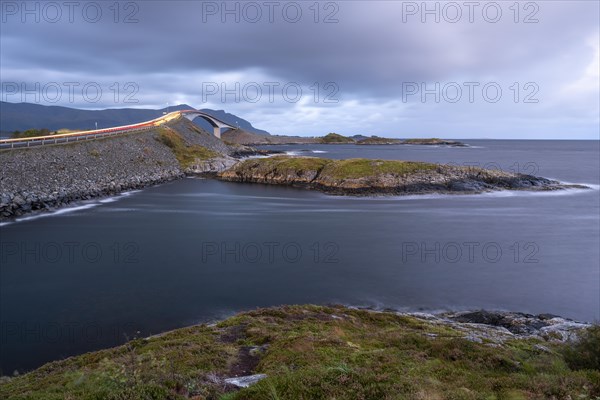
<point x="500" y="326"/>
<point x="46" y="178"/>
<point x="382" y="177"/>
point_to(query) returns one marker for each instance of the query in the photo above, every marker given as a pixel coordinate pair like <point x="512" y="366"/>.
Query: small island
<point x="372" y="177"/>
<point x="376" y="140"/>
<point x="434" y="142"/>
<point x="237" y="136"/>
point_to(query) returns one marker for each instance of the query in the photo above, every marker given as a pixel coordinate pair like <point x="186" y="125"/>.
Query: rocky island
<point x="251" y="139"/>
<point x="434" y="142"/>
<point x="336" y="352"/>
<point x="371" y="177"/>
<point x="376" y="140"/>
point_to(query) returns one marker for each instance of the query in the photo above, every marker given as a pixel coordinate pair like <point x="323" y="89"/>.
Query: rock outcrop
<point x="368" y="177"/>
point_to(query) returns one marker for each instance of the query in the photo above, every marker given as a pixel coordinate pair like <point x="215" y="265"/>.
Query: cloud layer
<point x="448" y="69"/>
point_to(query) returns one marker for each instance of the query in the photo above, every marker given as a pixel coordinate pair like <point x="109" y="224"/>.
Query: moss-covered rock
<point x="366" y="176"/>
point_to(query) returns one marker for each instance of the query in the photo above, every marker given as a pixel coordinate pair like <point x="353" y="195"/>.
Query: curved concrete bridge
<point x="217" y="124"/>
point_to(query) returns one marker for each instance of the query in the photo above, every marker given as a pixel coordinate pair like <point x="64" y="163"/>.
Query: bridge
<point x="217" y="124"/>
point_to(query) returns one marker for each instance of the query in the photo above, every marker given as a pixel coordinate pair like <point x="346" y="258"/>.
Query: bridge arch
<point x="216" y="123"/>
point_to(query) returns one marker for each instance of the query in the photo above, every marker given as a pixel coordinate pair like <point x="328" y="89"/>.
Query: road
<point x="8" y="144"/>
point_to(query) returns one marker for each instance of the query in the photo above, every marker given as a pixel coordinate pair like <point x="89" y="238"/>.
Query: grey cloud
<point x="369" y="53"/>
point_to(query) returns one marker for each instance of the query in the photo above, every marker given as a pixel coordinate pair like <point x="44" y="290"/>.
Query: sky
<point x="465" y="69"/>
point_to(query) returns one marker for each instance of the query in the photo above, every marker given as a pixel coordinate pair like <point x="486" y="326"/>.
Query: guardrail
<point x="8" y="144"/>
<point x="54" y="139"/>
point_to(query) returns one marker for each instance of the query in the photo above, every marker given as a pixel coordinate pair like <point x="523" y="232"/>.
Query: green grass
<point x="361" y="168"/>
<point x="314" y="352"/>
<point x="284" y="163"/>
<point x="186" y="154"/>
<point x="586" y="353"/>
<point x="335" y="169"/>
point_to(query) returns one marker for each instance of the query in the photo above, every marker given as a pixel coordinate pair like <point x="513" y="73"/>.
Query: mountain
<point x="23" y="116"/>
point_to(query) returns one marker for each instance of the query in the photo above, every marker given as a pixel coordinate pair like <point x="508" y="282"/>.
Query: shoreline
<point x="494" y="324"/>
<point x="30" y="208"/>
<point x="479" y="325"/>
<point x="271" y="343"/>
<point x="39" y="180"/>
<point x="45" y="179"/>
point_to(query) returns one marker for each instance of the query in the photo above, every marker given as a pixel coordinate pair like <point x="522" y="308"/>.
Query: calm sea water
<point x="196" y="250"/>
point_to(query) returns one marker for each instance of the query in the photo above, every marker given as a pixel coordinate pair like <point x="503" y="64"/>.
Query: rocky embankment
<point x="367" y="177"/>
<point x="327" y="352"/>
<point x="43" y="178"/>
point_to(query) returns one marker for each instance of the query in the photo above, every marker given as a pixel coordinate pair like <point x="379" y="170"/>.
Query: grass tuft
<point x="361" y="168"/>
<point x="186" y="154"/>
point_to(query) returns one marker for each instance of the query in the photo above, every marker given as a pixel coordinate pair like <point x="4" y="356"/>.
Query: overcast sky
<point x="454" y="70"/>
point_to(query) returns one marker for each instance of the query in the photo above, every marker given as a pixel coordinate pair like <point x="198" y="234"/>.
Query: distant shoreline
<point x="241" y="137"/>
<point x="46" y="178"/>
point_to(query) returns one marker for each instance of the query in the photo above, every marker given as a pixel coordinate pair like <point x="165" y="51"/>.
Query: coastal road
<point x="9" y="144"/>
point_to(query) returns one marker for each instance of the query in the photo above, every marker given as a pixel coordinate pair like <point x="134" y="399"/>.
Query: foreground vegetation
<point x="314" y="352"/>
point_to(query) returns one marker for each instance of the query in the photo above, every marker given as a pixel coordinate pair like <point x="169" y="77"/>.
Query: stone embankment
<point x="43" y="178"/>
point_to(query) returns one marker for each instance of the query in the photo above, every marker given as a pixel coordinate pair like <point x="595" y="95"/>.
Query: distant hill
<point x="23" y="116"/>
